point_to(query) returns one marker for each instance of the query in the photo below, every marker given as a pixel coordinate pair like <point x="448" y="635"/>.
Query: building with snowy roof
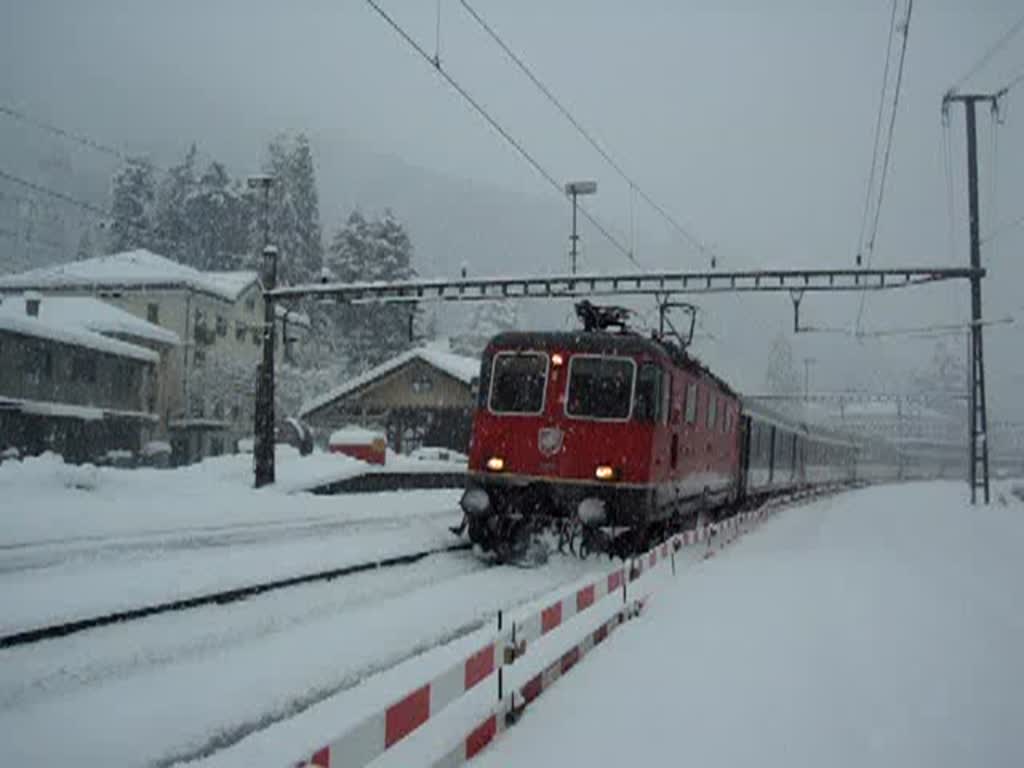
<point x="79" y="377"/>
<point x="208" y="380"/>
<point x="424" y="396"/>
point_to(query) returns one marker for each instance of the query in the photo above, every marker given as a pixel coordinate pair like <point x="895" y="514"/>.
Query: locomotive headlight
<point x="556" y="360"/>
<point x="496" y="464"/>
<point x="605" y="472"/>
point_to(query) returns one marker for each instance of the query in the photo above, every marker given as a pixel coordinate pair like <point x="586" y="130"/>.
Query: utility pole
<point x="978" y="417"/>
<point x="574" y="189"/>
<point x="263" y="419"/>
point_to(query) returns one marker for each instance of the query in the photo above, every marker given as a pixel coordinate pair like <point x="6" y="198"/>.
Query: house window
<point x="250" y="305"/>
<point x="39" y="364"/>
<point x="239" y="331"/>
<point x="256" y="340"/>
<point x="222" y="326"/>
<point x="422" y="383"/>
<point x="199" y="356"/>
<point x="153" y="313"/>
<point x="216" y="446"/>
<point x="218" y="410"/>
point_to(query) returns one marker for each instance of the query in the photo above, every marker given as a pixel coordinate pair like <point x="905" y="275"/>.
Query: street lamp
<point x="574" y="189"/>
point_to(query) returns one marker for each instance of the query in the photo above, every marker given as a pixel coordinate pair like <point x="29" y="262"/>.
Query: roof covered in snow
<point x="354" y="435"/>
<point x="459" y="367"/>
<point x="130" y="269"/>
<point x="14" y="320"/>
<point x="87" y="313"/>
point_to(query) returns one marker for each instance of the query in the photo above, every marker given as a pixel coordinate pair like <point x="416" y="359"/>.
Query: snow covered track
<point x="222" y="597"/>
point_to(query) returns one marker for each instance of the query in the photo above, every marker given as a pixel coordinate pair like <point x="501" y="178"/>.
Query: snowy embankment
<point x="80" y="541"/>
<point x="881" y="627"/>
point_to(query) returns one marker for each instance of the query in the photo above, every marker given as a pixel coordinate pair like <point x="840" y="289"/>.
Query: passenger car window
<point x="518" y="382"/>
<point x="691" y="403"/>
<point x="600" y="387"/>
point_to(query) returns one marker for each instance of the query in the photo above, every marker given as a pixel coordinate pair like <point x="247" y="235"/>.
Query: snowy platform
<point x="882" y="627"/>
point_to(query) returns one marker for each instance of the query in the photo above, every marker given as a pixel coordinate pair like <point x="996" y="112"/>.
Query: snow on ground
<point x="882" y="627"/>
<point x="184" y="685"/>
<point x="79" y="541"/>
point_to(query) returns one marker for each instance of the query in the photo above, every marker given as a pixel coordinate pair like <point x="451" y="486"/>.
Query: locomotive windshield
<point x="600" y="387"/>
<point x="518" y="381"/>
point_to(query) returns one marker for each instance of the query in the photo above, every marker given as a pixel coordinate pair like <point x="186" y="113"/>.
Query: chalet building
<point x="422" y="397"/>
<point x="71" y="381"/>
<point x="207" y="382"/>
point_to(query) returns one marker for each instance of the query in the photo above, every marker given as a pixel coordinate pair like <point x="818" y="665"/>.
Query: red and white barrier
<point x="370" y="738"/>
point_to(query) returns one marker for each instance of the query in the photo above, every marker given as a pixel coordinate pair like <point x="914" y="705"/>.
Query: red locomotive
<point x="606" y="434"/>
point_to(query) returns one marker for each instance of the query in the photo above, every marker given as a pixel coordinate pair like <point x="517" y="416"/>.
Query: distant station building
<point x="79" y="377"/>
<point x="423" y="397"/>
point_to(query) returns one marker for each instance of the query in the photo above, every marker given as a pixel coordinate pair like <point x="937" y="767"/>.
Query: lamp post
<point x="574" y="189"/>
<point x="263" y="418"/>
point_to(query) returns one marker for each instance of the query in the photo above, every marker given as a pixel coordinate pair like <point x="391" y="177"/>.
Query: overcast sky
<point x="752" y="122"/>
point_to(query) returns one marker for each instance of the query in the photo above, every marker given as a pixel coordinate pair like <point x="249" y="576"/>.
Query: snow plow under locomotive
<point x="608" y="440"/>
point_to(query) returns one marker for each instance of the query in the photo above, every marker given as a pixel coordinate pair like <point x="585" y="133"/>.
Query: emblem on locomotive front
<point x="549" y="440"/>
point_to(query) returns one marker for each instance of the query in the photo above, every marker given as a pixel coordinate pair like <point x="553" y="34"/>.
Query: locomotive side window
<point x="712" y="410"/>
<point x="518" y="382"/>
<point x="600" y="387"/>
<point x="648" y="394"/>
<point x="691" y="402"/>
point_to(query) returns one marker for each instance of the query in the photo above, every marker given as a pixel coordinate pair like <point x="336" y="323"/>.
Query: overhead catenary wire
<point x="501" y="130"/>
<point x="878" y="131"/>
<point x="586" y="134"/>
<point x="888" y="150"/>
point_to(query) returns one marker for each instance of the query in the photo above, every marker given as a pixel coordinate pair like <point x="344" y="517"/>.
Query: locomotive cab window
<point x="649" y="400"/>
<point x="518" y="382"/>
<point x="600" y="387"/>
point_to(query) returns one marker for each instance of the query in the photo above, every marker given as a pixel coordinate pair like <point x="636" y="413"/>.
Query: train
<point x="605" y="440"/>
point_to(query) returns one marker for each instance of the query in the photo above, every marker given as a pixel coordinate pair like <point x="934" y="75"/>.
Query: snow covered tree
<point x="293" y="211"/>
<point x="132" y="210"/>
<point x="377" y="249"/>
<point x="175" y="233"/>
<point x="85" y="250"/>
<point x="486" y="319"/>
<point x="218" y="217"/>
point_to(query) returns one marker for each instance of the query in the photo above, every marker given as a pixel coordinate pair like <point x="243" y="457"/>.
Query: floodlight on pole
<point x="574" y="189"/>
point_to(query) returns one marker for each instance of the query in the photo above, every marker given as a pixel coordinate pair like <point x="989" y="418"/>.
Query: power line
<point x="992" y="51"/>
<point x="499" y="128"/>
<point x="63" y="133"/>
<point x="587" y="135"/>
<point x="878" y="131"/>
<point x="54" y="194"/>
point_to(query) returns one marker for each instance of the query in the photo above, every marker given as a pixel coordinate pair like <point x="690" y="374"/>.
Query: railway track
<point x="222" y="597"/>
